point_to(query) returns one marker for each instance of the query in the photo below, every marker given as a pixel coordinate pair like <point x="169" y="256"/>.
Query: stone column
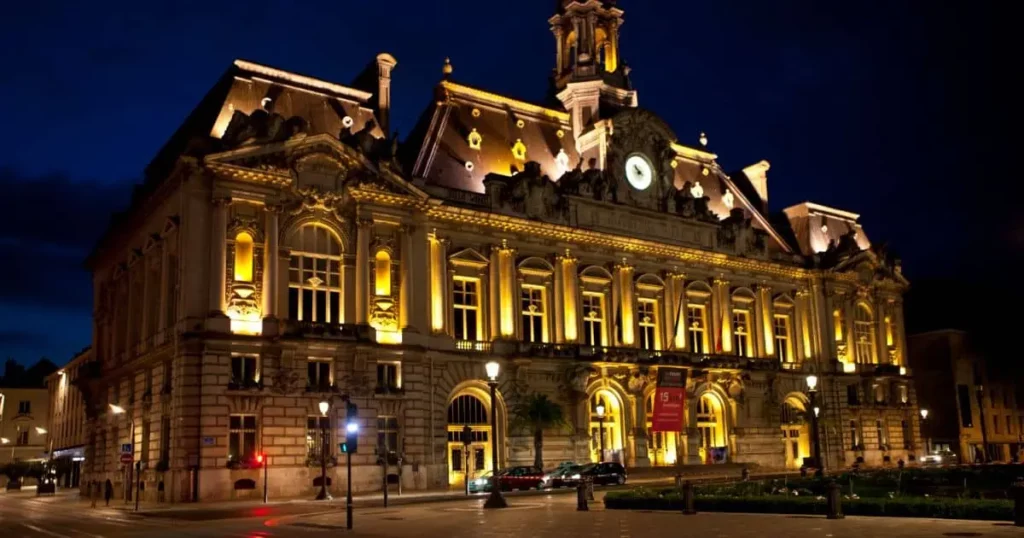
<point x="271" y="256"/>
<point x="218" y="256"/>
<point x="622" y="288"/>
<point x="721" y="322"/>
<point x="802" y="326"/>
<point x="164" y="294"/>
<point x="675" y="297"/>
<point x="820" y="322"/>
<point x="900" y="335"/>
<point x="439" y="285"/>
<point x="559" y="38"/>
<point x="766" y="313"/>
<point x="556" y="300"/>
<point x="569" y="297"/>
<point x="405" y="276"/>
<point x="418" y="280"/>
<point x="881" y="346"/>
<point x="363" y="230"/>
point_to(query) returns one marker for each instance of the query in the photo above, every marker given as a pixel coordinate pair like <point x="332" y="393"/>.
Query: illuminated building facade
<point x="66" y="433"/>
<point x="284" y="250"/>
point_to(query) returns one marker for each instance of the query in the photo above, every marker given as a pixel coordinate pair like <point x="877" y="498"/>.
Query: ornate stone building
<point x="284" y="249"/>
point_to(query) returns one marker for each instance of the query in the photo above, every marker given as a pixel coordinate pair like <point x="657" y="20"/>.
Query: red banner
<point x="669" y="396"/>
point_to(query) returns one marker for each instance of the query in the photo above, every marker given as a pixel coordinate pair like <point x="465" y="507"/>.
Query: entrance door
<point x="468" y="462"/>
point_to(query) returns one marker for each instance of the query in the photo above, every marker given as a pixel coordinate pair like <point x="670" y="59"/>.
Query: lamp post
<point x="812" y="390"/>
<point x="495" y="500"/>
<point x="924" y="417"/>
<point x="325" y="406"/>
<point x="600" y="429"/>
<point x="118" y="410"/>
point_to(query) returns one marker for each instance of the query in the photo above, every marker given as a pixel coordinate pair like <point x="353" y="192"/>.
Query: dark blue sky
<point x="896" y="110"/>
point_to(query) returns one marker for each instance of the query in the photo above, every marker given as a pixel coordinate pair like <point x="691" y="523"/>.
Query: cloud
<point x="19" y="339"/>
<point x="48" y="225"/>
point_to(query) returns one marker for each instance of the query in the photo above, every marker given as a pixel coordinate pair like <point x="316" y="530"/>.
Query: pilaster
<point x="218" y="256"/>
<point x="363" y="229"/>
<point x="622" y="289"/>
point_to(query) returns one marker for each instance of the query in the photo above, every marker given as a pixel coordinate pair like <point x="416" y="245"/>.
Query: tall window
<point x="854" y="435"/>
<point x="165" y="439"/>
<point x="741" y="333"/>
<point x="314" y="275"/>
<point x="532" y="299"/>
<point x="22" y="437"/>
<point x="243" y="371"/>
<point x="883" y="434"/>
<point x="389" y="376"/>
<point x="144" y="453"/>
<point x="318" y="374"/>
<point x="647" y="313"/>
<point x="241" y="438"/>
<point x="697" y="323"/>
<point x="783" y="337"/>
<point x="466" y="302"/>
<point x="382" y="273"/>
<point x="852" y="395"/>
<point x="963" y="397"/>
<point x="318" y="437"/>
<point x="864" y="335"/>
<point x="387" y="433"/>
<point x="25" y="407"/>
<point x="593" y="319"/>
<point x="908" y="435"/>
<point x="243" y="257"/>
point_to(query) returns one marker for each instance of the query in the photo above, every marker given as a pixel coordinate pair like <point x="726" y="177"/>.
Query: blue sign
<point x="126" y="448"/>
<point x="209" y="441"/>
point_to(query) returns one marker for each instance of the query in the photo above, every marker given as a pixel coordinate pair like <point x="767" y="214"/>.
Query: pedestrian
<point x="108" y="491"/>
<point x="93" y="492"/>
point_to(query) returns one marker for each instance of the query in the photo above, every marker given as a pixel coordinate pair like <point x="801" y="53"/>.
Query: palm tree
<point x="536" y="413"/>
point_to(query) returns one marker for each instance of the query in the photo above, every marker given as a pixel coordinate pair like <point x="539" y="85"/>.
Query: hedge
<point x="990" y="510"/>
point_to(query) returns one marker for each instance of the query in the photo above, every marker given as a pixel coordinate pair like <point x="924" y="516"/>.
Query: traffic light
<point x="351" y="444"/>
<point x="259" y="459"/>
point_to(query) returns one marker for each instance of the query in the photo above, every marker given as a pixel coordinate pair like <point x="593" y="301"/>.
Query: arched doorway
<point x="469" y="408"/>
<point x="612" y="427"/>
<point x="711" y="429"/>
<point x="795" y="432"/>
<point x="661" y="445"/>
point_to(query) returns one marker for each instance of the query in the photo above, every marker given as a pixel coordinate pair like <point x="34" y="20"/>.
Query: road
<point x="539" y="516"/>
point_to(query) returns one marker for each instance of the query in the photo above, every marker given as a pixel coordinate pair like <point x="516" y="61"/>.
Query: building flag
<point x="669" y="400"/>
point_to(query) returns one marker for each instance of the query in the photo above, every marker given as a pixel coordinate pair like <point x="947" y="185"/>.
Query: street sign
<point x="126" y="458"/>
<point x="209" y="441"/>
<point x="126" y="448"/>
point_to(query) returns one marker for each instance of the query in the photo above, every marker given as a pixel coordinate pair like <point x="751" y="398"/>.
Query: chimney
<point x="758" y="175"/>
<point x="385" y="63"/>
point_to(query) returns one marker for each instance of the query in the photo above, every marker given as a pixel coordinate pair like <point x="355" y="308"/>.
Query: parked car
<point x="556" y="473"/>
<point x="601" y="473"/>
<point x="563" y="475"/>
<point x="522" y="478"/>
<point x="482" y="483"/>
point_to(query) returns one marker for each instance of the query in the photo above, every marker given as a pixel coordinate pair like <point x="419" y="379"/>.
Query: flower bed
<point x="992" y="510"/>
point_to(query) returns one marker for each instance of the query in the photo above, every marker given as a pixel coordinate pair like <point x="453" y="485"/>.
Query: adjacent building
<point x="972" y="416"/>
<point x="285" y="251"/>
<point x="66" y="427"/>
<point x="23" y="421"/>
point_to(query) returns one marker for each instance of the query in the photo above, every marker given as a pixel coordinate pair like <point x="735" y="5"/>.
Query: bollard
<point x="835" y="502"/>
<point x="746" y="474"/>
<point x="1017" y="494"/>
<point x="581" y="497"/>
<point x="688" y="509"/>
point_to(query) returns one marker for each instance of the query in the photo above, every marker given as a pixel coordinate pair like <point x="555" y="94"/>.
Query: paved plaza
<point x="533" y="516"/>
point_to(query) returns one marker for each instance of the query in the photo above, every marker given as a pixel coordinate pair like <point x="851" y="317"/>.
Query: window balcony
<point x="388" y="390"/>
<point x="473" y="345"/>
<point x="324" y="387"/>
<point x="245" y="384"/>
<point x="341" y="331"/>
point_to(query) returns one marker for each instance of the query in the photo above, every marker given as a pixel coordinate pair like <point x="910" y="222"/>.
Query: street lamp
<point x="924" y="418"/>
<point x="495" y="500"/>
<point x="118" y="410"/>
<point x="600" y="428"/>
<point x="325" y="406"/>
<point x="812" y="390"/>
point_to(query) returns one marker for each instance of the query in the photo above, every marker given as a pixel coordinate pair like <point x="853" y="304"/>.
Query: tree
<point x="535" y="413"/>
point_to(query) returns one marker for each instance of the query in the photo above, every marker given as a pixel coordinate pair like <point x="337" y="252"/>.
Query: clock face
<point x="639" y="172"/>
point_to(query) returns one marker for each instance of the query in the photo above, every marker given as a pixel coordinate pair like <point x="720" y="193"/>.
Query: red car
<point x="522" y="478"/>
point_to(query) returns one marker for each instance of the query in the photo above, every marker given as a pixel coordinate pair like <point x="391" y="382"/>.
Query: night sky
<point x="899" y="111"/>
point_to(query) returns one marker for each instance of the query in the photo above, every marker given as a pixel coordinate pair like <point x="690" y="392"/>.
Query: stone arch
<point x="322" y="219"/>
<point x="534" y="262"/>
<point x="468" y="378"/>
<point x="595" y="271"/>
<point x="713" y="414"/>
<point x="620" y="413"/>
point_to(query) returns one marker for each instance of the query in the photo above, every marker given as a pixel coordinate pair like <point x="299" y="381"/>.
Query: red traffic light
<point x="259" y="458"/>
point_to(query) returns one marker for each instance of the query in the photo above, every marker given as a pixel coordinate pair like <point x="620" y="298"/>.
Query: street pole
<point x="386" y="462"/>
<point x="467" y="433"/>
<point x="266" y="464"/>
<point x="819" y="466"/>
<point x="600" y="433"/>
<point x="495" y="500"/>
<point x="348" y="494"/>
<point x="138" y="483"/>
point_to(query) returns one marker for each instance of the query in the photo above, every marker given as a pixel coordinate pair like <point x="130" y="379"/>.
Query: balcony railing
<point x="342" y="331"/>
<point x="473" y="345"/>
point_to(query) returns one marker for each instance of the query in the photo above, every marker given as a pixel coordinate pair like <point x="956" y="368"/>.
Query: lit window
<point x="318" y="375"/>
<point x="741" y="333"/>
<point x="474" y="139"/>
<point x="389" y="376"/>
<point x="466" y="303"/>
<point x="864" y="335"/>
<point x="697" y="324"/>
<point x="382" y="270"/>
<point x="534" y="318"/>
<point x="647" y="313"/>
<point x="783" y="338"/>
<point x="318" y="437"/>
<point x="883" y="434"/>
<point x="837" y="319"/>
<point x="519" y="150"/>
<point x="387" y="434"/>
<point x="242" y="438"/>
<point x="243" y="257"/>
<point x="593" y="319"/>
<point x="314" y="275"/>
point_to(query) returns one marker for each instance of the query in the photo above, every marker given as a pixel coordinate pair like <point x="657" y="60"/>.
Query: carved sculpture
<point x="528" y="192"/>
<point x="261" y="127"/>
<point x="687" y="206"/>
<point x="737" y="232"/>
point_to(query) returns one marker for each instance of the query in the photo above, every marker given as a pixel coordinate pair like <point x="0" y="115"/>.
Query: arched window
<point x="382" y="271"/>
<point x="467" y="409"/>
<point x="710" y="426"/>
<point x="606" y="432"/>
<point x="314" y="275"/>
<point x="864" y="335"/>
<point x="243" y="257"/>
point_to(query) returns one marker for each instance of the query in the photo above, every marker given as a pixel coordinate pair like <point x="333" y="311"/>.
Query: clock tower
<point x="589" y="71"/>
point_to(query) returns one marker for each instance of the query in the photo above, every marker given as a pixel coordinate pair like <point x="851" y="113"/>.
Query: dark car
<point x="601" y="473"/>
<point x="563" y="475"/>
<point x="482" y="483"/>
